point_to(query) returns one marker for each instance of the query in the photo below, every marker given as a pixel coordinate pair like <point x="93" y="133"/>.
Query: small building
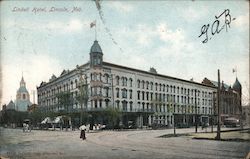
<point x="230" y="100"/>
<point x="32" y="107"/>
<point x="246" y="115"/>
<point x="11" y="106"/>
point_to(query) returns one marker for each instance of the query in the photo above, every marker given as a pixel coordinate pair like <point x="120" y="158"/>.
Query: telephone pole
<point x="195" y="102"/>
<point x="218" y="108"/>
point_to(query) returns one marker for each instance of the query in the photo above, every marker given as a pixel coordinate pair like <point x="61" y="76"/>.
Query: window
<point x="131" y="106"/>
<point x="147" y="85"/>
<point x="138" y="84"/>
<point x="117" y="104"/>
<point x="138" y="95"/>
<point x="124" y="81"/>
<point x="151" y="85"/>
<point x="106" y="77"/>
<point x="130" y="94"/>
<point x="130" y="82"/>
<point x="99" y="61"/>
<point x="117" y="80"/>
<point x="156" y="85"/>
<point x="24" y="97"/>
<point x="143" y="84"/>
<point x="107" y="92"/>
<point x="95" y="103"/>
<point x="124" y="106"/>
<point x="100" y="103"/>
<point x="117" y="92"/>
<point x="124" y="93"/>
<point x="95" y="61"/>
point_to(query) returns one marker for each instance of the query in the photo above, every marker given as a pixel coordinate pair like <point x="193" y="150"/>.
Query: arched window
<point x="117" y="80"/>
<point x="24" y="96"/>
<point x="143" y="84"/>
<point x="106" y="77"/>
<point x="130" y="82"/>
<point x="147" y="85"/>
<point x="138" y="83"/>
<point x="76" y="82"/>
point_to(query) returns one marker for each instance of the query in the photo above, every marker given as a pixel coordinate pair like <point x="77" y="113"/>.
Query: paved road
<point x="115" y="145"/>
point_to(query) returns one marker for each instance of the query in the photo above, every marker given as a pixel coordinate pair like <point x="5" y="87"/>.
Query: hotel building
<point x="143" y="97"/>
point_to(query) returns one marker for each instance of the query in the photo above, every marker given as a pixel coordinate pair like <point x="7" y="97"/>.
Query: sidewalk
<point x="226" y="135"/>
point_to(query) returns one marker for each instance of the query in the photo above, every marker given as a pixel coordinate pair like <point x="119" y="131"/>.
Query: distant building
<point x="143" y="97"/>
<point x="32" y="108"/>
<point x="246" y="115"/>
<point x="22" y="97"/>
<point x="4" y="107"/>
<point x="230" y="105"/>
<point x="11" y="106"/>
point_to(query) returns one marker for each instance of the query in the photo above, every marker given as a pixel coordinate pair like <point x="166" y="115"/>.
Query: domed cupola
<point x="22" y="88"/>
<point x="237" y="85"/>
<point x="96" y="55"/>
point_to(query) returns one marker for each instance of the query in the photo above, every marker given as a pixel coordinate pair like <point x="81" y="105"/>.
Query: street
<point x="115" y="144"/>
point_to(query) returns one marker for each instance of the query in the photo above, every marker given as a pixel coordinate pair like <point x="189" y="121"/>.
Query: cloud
<point x="70" y="26"/>
<point x="121" y="7"/>
<point x="191" y="14"/>
<point x="242" y="21"/>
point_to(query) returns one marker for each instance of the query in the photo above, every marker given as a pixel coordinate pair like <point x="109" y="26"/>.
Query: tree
<point x="113" y="115"/>
<point x="64" y="100"/>
<point x="82" y="97"/>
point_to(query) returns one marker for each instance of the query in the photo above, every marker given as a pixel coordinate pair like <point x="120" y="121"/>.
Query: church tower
<point x="22" y="97"/>
<point x="96" y="55"/>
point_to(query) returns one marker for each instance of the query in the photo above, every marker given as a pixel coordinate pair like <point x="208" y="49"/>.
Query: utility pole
<point x="218" y="108"/>
<point x="195" y="102"/>
<point x="112" y="89"/>
<point x="213" y="113"/>
<point x="174" y="121"/>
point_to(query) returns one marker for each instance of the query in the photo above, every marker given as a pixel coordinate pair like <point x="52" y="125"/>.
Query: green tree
<point x="113" y="115"/>
<point x="64" y="100"/>
<point x="82" y="97"/>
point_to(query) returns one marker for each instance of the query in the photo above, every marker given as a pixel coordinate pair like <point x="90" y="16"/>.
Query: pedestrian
<point x="24" y="126"/>
<point x="203" y="125"/>
<point x="82" y="129"/>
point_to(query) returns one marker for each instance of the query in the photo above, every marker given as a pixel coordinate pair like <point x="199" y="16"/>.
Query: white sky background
<point x="161" y="34"/>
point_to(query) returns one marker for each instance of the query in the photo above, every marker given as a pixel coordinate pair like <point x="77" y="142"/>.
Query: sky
<point x="138" y="34"/>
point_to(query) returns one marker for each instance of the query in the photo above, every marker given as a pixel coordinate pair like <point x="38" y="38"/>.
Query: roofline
<point x="156" y="74"/>
<point x="61" y="76"/>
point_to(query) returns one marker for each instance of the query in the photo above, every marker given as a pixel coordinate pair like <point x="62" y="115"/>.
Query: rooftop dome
<point x="237" y="85"/>
<point x="22" y="90"/>
<point x="96" y="47"/>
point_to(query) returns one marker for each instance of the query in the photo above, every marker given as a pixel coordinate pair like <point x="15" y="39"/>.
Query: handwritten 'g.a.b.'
<point x="216" y="28"/>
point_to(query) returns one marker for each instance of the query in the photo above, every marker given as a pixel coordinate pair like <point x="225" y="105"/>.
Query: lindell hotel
<point x="143" y="97"/>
